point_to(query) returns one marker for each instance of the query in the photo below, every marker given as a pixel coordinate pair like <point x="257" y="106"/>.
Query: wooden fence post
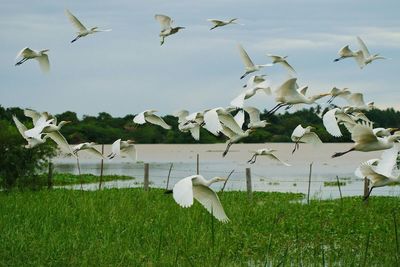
<point x="309" y="184"/>
<point x="366" y="189"/>
<point x="101" y="166"/>
<point x="50" y="176"/>
<point x="248" y="184"/>
<point x="169" y="174"/>
<point x="146" y="177"/>
<point x="197" y="164"/>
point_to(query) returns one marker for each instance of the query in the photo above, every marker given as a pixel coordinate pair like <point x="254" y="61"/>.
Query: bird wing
<point x="287" y="65"/>
<point x="25" y="51"/>
<point x="183" y="191"/>
<point x="93" y="151"/>
<point x="20" y="126"/>
<point x="363" y="134"/>
<point x="116" y="148"/>
<point x="130" y="151"/>
<point x="164" y="21"/>
<point x="311" y="138"/>
<point x="358" y="172"/>
<point x="75" y="22"/>
<point x="195" y="132"/>
<point x="298" y="132"/>
<point x="33" y="114"/>
<point x="287" y="88"/>
<point x="154" y="119"/>
<point x="60" y="140"/>
<point x="239" y="100"/>
<point x="212" y="123"/>
<point x="363" y="47"/>
<point x="356" y="99"/>
<point x="44" y="62"/>
<point x="330" y="123"/>
<point x="139" y="118"/>
<point x="216" y="21"/>
<point x="239" y="118"/>
<point x="368" y="171"/>
<point x="228" y="121"/>
<point x="388" y="162"/>
<point x="245" y="57"/>
<point x="254" y="113"/>
<point x="275" y="158"/>
<point x="209" y="199"/>
<point x="182" y="114"/>
<point x="360" y="58"/>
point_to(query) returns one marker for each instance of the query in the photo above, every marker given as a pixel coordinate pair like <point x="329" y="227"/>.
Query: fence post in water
<point x="197" y="165"/>
<point x="248" y="184"/>
<point x="50" y="176"/>
<point x="309" y="184"/>
<point x="340" y="190"/>
<point x="366" y="189"/>
<point x="101" y="166"/>
<point x="146" y="177"/>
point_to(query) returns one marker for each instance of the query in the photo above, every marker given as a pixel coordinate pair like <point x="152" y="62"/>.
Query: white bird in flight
<point x="304" y="135"/>
<point x="346" y="52"/>
<point x="88" y="147"/>
<point x="365" y="140"/>
<point x="250" y="91"/>
<point x="380" y="171"/>
<point x="32" y="142"/>
<point x="166" y="26"/>
<point x="367" y="57"/>
<point x="219" y="23"/>
<point x="248" y="64"/>
<point x="281" y="60"/>
<point x="336" y="92"/>
<point x="266" y="152"/>
<point x="149" y="116"/>
<point x="123" y="149"/>
<point x="41" y="56"/>
<point x="196" y="187"/>
<point x="82" y="30"/>
<point x="254" y="115"/>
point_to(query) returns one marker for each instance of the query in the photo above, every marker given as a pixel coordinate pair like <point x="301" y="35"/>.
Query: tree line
<point x="105" y="129"/>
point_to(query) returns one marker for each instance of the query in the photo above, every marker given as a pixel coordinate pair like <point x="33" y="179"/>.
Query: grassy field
<point x="130" y="227"/>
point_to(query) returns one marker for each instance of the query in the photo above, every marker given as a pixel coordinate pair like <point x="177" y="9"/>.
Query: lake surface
<point x="266" y="175"/>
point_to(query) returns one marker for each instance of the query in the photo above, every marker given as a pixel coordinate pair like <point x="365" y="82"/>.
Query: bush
<point x="19" y="167"/>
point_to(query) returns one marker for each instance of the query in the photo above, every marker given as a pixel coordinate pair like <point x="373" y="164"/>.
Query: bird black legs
<point x="296" y="146"/>
<point x="253" y="159"/>
<point x="367" y="196"/>
<point x="274" y="109"/>
<point x="75" y="39"/>
<point x="338" y="154"/>
<point x="227" y="149"/>
<point x="244" y="75"/>
<point x="21" y="61"/>
<point x="111" y="155"/>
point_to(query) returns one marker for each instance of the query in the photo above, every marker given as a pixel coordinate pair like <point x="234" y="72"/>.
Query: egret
<point x="289" y="94"/>
<point x="82" y="30"/>
<point x="356" y="102"/>
<point x="149" y="116"/>
<point x="234" y="137"/>
<point x="346" y="52"/>
<point x="197" y="187"/>
<point x="268" y="153"/>
<point x="334" y="117"/>
<point x="380" y="171"/>
<point x="365" y="140"/>
<point x="248" y="64"/>
<point x="281" y="60"/>
<point x="123" y="149"/>
<point x="254" y="115"/>
<point x="32" y="142"/>
<point x="367" y="57"/>
<point x="336" y="92"/>
<point x="41" y="56"/>
<point x="304" y="135"/>
<point x="219" y="23"/>
<point x="166" y="28"/>
<point x="215" y="118"/>
<point x="88" y="147"/>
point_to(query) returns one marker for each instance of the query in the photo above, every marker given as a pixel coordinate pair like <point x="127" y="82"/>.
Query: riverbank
<point x="130" y="227"/>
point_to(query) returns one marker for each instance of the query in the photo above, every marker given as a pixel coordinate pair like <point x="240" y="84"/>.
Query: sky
<point x="126" y="71"/>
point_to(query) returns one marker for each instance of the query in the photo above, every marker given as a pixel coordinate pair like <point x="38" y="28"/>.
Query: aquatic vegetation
<point x="334" y="183"/>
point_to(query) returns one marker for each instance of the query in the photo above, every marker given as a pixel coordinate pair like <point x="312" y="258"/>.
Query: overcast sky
<point x="126" y="71"/>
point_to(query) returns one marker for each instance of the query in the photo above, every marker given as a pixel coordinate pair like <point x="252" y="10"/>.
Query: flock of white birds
<point x="229" y="121"/>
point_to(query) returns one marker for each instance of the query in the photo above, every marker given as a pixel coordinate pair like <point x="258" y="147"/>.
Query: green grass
<point x="85" y="178"/>
<point x="130" y="227"/>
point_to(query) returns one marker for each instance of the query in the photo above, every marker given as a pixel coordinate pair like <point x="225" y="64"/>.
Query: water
<point x="266" y="175"/>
